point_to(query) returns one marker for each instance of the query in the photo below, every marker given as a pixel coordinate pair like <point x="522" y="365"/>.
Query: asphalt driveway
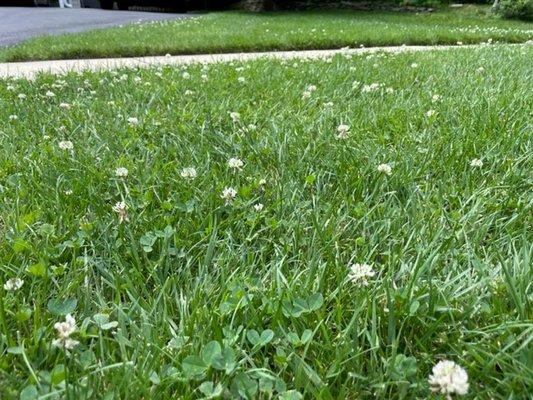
<point x="19" y="23"/>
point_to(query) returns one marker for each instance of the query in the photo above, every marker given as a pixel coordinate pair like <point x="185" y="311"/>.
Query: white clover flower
<point x="430" y="113"/>
<point x="306" y="95"/>
<point x="65" y="145"/>
<point x="235" y="163"/>
<point x="188" y="173"/>
<point x="121" y="209"/>
<point x="311" y="88"/>
<point x="133" y="121"/>
<point x="389" y="90"/>
<point x="435" y="98"/>
<point x="480" y="70"/>
<point x="205" y="77"/>
<point x="21" y="96"/>
<point x="258" y="207"/>
<point x="371" y="88"/>
<point x="50" y="94"/>
<point x="385" y="169"/>
<point x="67" y="328"/>
<point x="243" y="130"/>
<point x="228" y="194"/>
<point x="13" y="284"/>
<point x="343" y="131"/>
<point x="241" y="79"/>
<point x="68" y="192"/>
<point x="414" y="65"/>
<point x="235" y="116"/>
<point x="476" y="163"/>
<point x="359" y="273"/>
<point x="65" y="105"/>
<point x="448" y="378"/>
<point x="121" y="172"/>
<point x="186" y="75"/>
<point x="13" y="117"/>
<point x="64" y="330"/>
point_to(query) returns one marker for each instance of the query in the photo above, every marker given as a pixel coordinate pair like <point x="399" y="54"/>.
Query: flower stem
<point x="3" y="319"/>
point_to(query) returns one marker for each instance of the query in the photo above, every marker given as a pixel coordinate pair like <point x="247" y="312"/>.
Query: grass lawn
<point x="234" y="31"/>
<point x="208" y="229"/>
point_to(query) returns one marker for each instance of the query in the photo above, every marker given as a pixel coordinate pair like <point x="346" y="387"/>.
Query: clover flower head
<point x="188" y="173"/>
<point x="306" y="94"/>
<point x="64" y="330"/>
<point x="228" y="194"/>
<point x="343" y="131"/>
<point x="385" y="169"/>
<point x="448" y="378"/>
<point x="235" y="116"/>
<point x="476" y="163"/>
<point x="65" y="145"/>
<point x="121" y="209"/>
<point x="13" y="284"/>
<point x="430" y="113"/>
<point x="360" y="273"/>
<point x="235" y="163"/>
<point x="121" y="172"/>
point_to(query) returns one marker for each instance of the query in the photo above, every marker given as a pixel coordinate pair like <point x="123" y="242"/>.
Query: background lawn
<point x="189" y="289"/>
<point x="234" y="32"/>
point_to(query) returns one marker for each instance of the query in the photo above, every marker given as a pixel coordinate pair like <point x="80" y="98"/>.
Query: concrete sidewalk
<point x="32" y="68"/>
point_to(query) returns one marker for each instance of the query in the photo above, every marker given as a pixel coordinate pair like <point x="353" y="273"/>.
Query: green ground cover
<point x="234" y="31"/>
<point x="117" y="208"/>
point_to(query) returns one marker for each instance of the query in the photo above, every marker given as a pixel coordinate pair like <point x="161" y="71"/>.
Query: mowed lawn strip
<point x="332" y="227"/>
<point x="241" y="31"/>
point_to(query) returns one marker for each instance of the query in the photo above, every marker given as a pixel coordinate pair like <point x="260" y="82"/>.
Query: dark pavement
<point x="21" y="23"/>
